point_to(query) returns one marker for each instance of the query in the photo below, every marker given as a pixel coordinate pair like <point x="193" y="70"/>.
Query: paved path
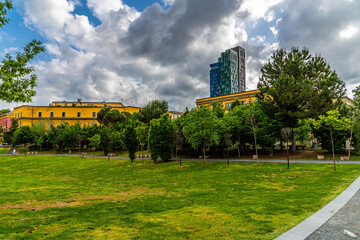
<point x="330" y="221"/>
<point x="218" y="160"/>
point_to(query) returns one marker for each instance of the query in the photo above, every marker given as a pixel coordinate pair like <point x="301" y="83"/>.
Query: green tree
<point x="8" y="135"/>
<point x="17" y="82"/>
<point x="3" y="111"/>
<point x="153" y="110"/>
<point x="131" y="139"/>
<point x="105" y="135"/>
<point x="333" y="122"/>
<point x="161" y="141"/>
<point x="40" y="142"/>
<point x="200" y="128"/>
<point x="95" y="142"/>
<point x="299" y="86"/>
<point x="23" y="135"/>
<point x="142" y="131"/>
<point x="101" y="115"/>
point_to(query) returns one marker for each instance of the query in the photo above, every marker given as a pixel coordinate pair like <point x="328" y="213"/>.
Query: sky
<point x="136" y="51"/>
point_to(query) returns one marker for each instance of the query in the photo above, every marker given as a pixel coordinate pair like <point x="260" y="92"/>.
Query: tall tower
<point x="241" y="60"/>
<point x="227" y="76"/>
<point x="229" y="72"/>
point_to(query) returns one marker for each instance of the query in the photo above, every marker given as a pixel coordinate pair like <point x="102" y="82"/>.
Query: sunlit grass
<point x="72" y="198"/>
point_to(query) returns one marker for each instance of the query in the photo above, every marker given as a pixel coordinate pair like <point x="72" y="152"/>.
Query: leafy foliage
<point x="201" y="127"/>
<point x="153" y="110"/>
<point x="23" y="135"/>
<point x="161" y="141"/>
<point x="131" y="140"/>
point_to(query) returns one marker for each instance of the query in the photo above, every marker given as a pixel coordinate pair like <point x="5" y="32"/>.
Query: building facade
<point x="227" y="76"/>
<point x="5" y="121"/>
<point x="84" y="113"/>
<point x="226" y="100"/>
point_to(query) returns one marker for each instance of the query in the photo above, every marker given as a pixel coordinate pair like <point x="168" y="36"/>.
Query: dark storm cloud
<point x="164" y="36"/>
<point x="320" y="27"/>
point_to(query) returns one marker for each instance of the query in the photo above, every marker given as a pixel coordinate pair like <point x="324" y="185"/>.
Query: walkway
<point x="330" y="221"/>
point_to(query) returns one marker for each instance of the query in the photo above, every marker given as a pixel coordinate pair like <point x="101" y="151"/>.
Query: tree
<point x="105" y="135"/>
<point x="333" y="122"/>
<point x="3" y="111"/>
<point x="40" y="142"/>
<point x="23" y="135"/>
<point x="161" y="141"/>
<point x="153" y="110"/>
<point x="131" y="140"/>
<point x="299" y="86"/>
<point x="4" y="8"/>
<point x="9" y="134"/>
<point x="237" y="124"/>
<point x="285" y="133"/>
<point x="17" y="82"/>
<point x="200" y="128"/>
<point x="95" y="142"/>
<point x="142" y="132"/>
<point x="355" y="119"/>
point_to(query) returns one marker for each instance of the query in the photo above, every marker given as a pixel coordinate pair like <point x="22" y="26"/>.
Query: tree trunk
<point x="176" y="150"/>
<point x="351" y="133"/>
<point x="180" y="156"/>
<point x="204" y="155"/>
<point x="257" y="155"/>
<point x="333" y="151"/>
<point x="293" y="142"/>
<point x="93" y="153"/>
<point x="238" y="148"/>
<point x="287" y="153"/>
<point x="281" y="145"/>
<point x="227" y="154"/>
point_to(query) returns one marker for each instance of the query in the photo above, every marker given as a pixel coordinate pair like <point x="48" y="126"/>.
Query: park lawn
<point x="53" y="197"/>
<point x="4" y="150"/>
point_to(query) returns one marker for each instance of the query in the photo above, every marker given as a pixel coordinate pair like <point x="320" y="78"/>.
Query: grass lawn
<point x="4" y="150"/>
<point x="53" y="197"/>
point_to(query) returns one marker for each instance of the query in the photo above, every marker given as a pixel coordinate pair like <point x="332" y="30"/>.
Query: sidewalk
<point x="330" y="221"/>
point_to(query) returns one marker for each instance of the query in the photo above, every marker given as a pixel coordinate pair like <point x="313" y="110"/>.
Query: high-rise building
<point x="241" y="60"/>
<point x="227" y="76"/>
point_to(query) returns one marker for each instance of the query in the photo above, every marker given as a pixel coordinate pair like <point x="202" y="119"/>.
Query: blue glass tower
<point x="227" y="76"/>
<point x="215" y="86"/>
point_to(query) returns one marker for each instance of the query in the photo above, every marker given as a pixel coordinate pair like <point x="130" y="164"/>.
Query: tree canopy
<point x="17" y="79"/>
<point x="299" y="85"/>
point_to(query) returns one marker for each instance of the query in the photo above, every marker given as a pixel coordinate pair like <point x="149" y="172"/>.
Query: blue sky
<point x="137" y="51"/>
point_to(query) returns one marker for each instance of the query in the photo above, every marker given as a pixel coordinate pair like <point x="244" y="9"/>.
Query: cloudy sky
<point x="135" y="51"/>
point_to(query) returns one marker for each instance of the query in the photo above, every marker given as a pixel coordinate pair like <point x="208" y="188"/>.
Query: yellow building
<point x="226" y="100"/>
<point x="71" y="112"/>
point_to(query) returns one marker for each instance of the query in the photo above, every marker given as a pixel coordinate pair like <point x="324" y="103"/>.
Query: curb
<point x="312" y="223"/>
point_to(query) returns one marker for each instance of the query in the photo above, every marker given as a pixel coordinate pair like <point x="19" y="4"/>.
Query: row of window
<point x="242" y="102"/>
<point x="63" y="114"/>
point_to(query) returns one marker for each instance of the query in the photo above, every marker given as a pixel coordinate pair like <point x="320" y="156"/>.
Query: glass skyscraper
<point x="227" y="76"/>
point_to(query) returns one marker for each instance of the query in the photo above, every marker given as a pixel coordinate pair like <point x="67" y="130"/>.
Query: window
<point x="243" y="102"/>
<point x="94" y="114"/>
<point x="63" y="114"/>
<point x="78" y="114"/>
<point x="51" y="114"/>
<point x="21" y="114"/>
<point x="40" y="114"/>
<point x="227" y="105"/>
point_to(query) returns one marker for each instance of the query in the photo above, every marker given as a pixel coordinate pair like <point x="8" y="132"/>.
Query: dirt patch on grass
<point x="35" y="205"/>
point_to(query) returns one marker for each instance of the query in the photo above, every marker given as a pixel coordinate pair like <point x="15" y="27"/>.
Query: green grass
<point x="4" y="150"/>
<point x="53" y="197"/>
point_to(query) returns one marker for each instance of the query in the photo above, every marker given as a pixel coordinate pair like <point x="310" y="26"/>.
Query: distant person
<point x="14" y="151"/>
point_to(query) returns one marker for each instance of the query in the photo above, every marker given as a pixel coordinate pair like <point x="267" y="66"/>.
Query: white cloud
<point x="348" y="32"/>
